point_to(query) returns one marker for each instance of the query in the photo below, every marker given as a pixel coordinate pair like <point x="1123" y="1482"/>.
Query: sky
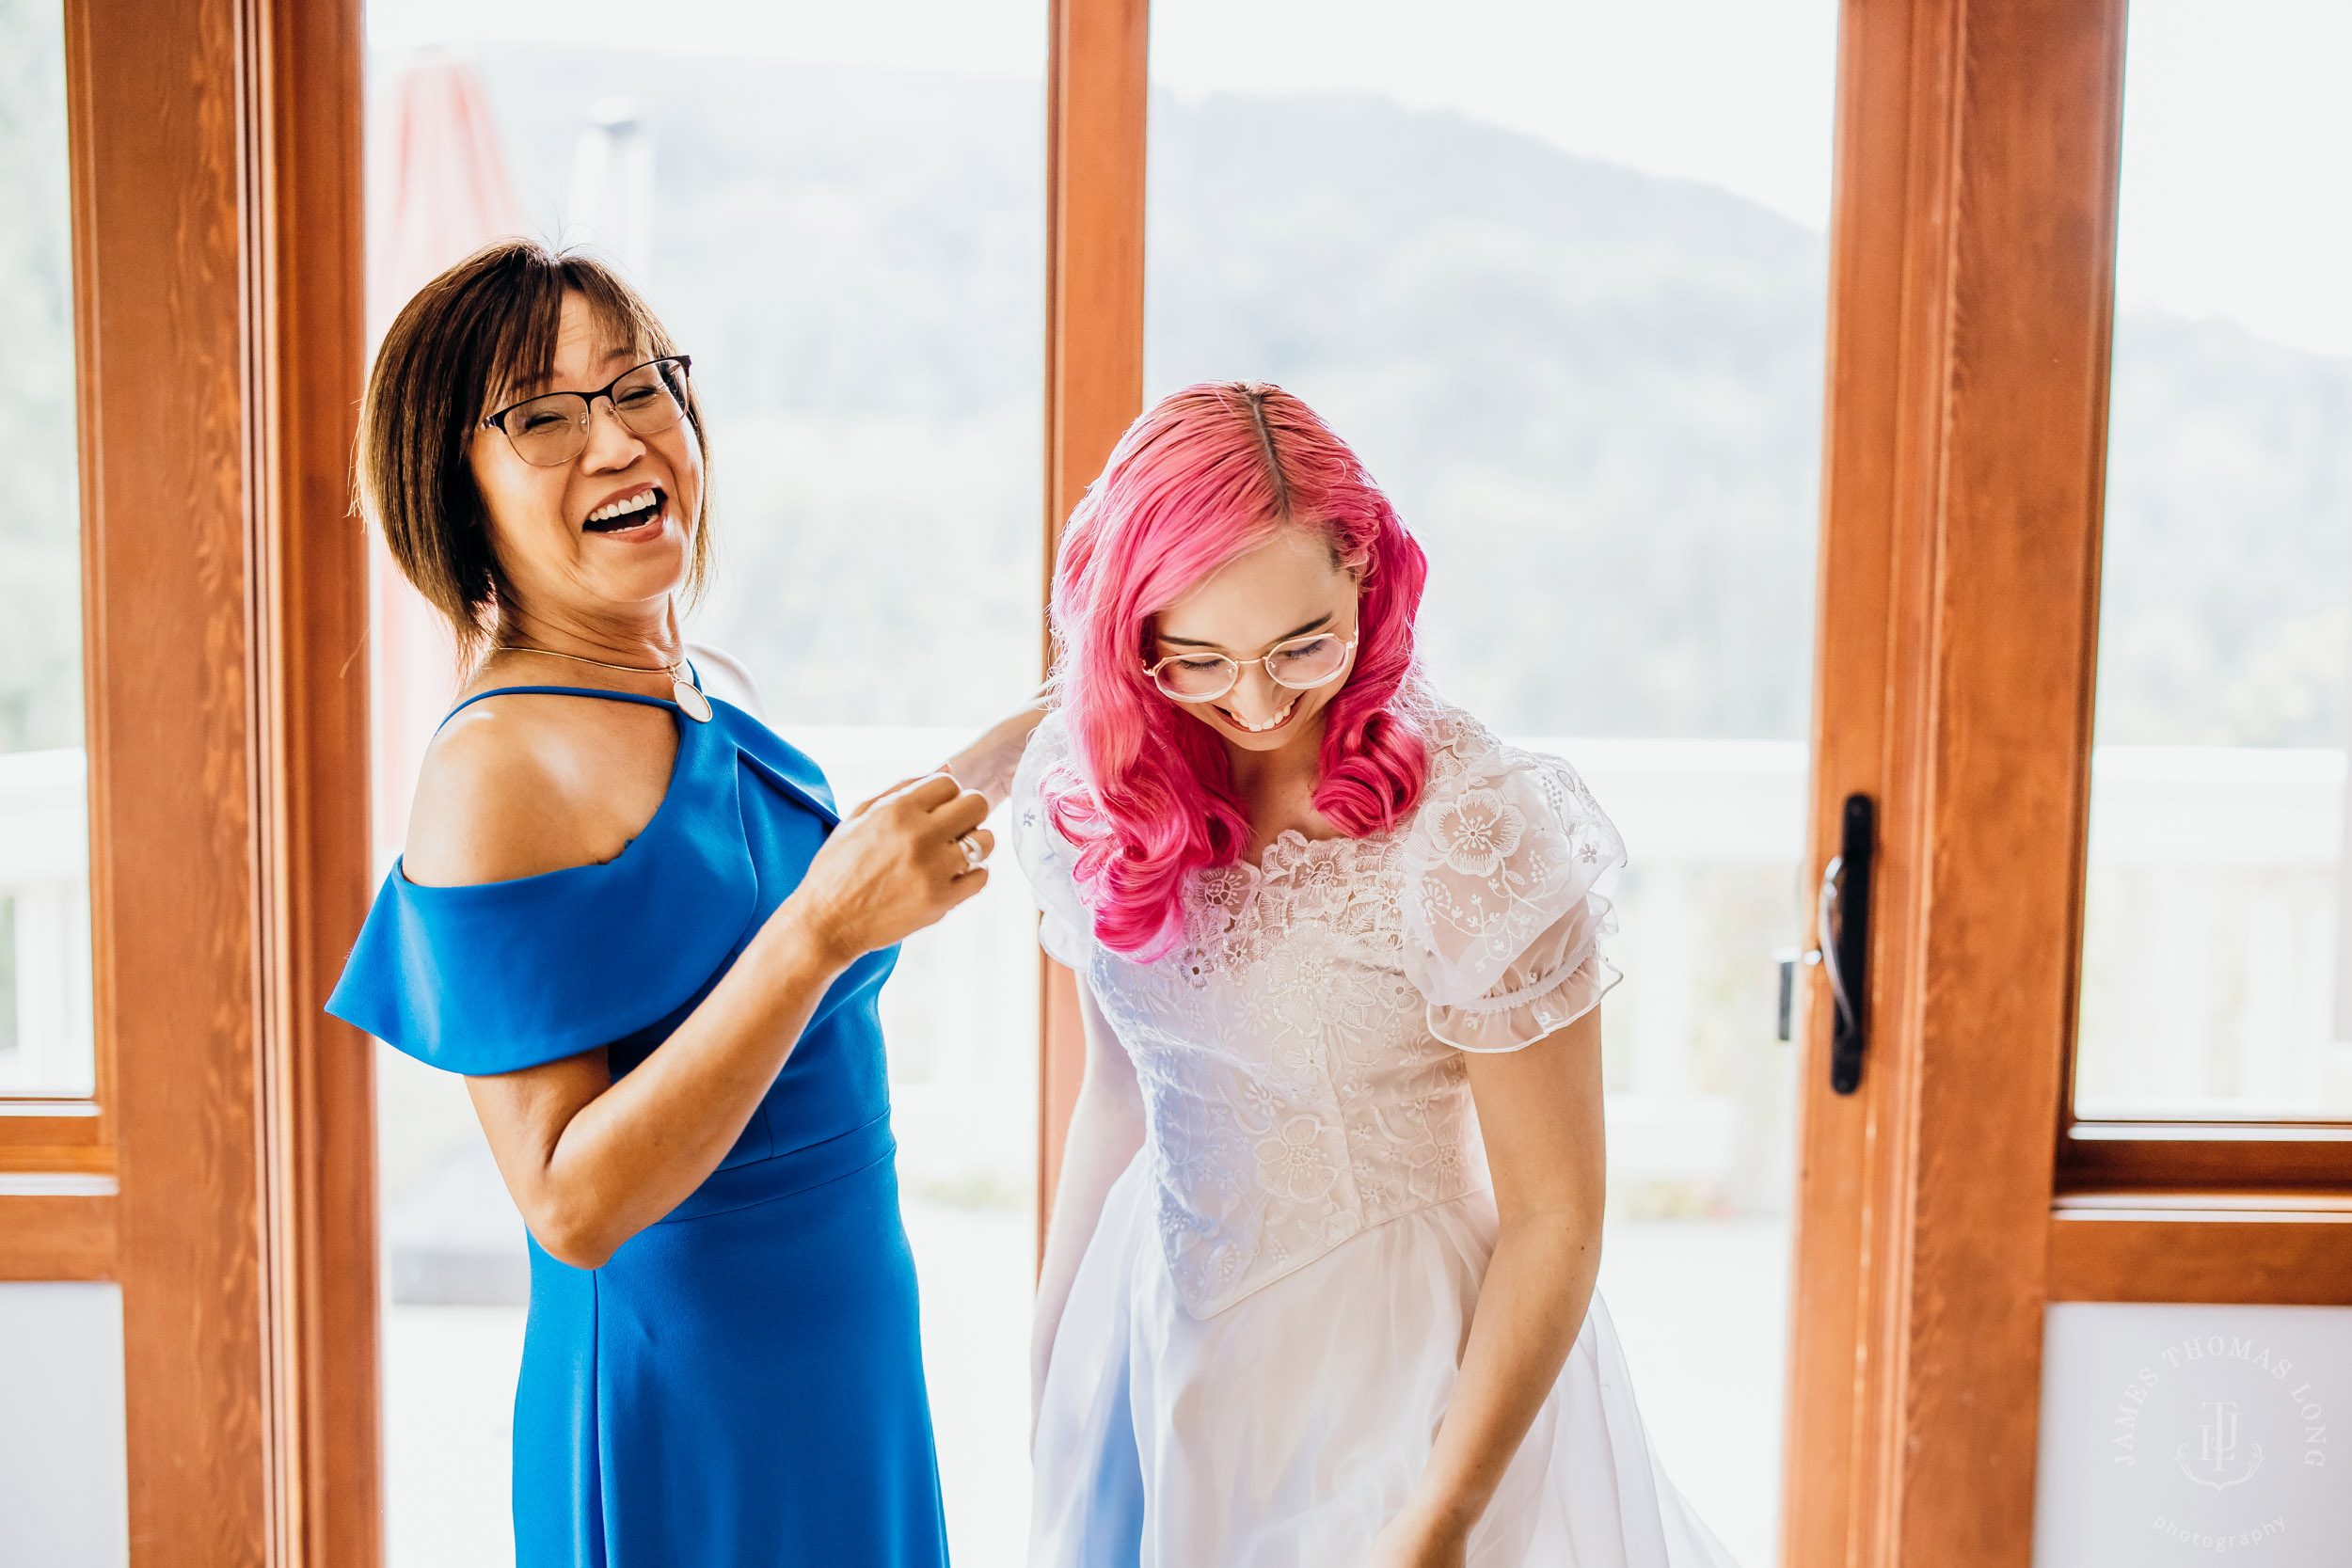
<point x="2237" y="178"/>
<point x="2237" y="165"/>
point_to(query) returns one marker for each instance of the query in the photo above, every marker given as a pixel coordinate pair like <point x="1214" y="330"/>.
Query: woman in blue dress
<point x="631" y="916"/>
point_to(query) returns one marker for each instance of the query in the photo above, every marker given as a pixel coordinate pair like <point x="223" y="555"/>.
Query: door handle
<point x="1845" y="938"/>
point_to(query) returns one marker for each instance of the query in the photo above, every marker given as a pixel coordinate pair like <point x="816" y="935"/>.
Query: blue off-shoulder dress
<point x="742" y="1383"/>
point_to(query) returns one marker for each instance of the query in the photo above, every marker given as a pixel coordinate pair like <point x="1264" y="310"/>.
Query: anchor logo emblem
<point x="2217" y="1463"/>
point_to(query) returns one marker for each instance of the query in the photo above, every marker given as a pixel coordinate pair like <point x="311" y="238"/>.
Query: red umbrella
<point x="440" y="192"/>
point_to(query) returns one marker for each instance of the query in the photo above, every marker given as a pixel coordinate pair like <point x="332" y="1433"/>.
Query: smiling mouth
<point x="1273" y="724"/>
<point x="627" y="513"/>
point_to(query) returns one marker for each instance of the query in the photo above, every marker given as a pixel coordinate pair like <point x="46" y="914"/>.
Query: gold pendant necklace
<point x="683" y="692"/>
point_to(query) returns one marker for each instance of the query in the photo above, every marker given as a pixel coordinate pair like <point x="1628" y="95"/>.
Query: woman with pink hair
<point x="1319" y="1286"/>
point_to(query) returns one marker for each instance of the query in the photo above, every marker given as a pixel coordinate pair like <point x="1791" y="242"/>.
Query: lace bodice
<point x="1298" y="1051"/>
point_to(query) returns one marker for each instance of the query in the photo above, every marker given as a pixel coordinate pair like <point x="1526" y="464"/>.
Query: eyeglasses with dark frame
<point x="549" y="431"/>
<point x="1299" y="663"/>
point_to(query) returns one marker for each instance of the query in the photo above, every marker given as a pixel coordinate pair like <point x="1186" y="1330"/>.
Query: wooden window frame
<point x="224" y="1172"/>
<point x="1943" y="1205"/>
<point x="2147" y="1209"/>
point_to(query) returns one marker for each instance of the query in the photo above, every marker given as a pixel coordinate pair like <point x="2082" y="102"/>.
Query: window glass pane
<point x="840" y="214"/>
<point x="1557" y="272"/>
<point x="45" y="1040"/>
<point x="2215" y="980"/>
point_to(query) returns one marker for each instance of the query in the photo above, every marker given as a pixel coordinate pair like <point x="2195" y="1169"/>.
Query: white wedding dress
<point x="1264" y="1329"/>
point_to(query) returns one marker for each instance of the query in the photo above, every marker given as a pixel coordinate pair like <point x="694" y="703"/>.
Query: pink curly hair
<point x="1205" y="476"/>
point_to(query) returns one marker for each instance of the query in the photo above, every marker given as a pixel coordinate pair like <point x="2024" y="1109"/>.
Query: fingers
<point x="960" y="813"/>
<point x="881" y="795"/>
<point x="952" y="858"/>
<point x="926" y="794"/>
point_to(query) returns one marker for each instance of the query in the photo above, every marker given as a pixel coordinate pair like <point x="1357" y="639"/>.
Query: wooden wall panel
<point x="1098" y="73"/>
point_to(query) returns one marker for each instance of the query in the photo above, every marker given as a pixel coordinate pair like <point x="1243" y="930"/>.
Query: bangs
<point x="518" y="350"/>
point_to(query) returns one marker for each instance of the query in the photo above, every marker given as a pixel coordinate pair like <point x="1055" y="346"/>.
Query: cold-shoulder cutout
<point x="520" y="794"/>
<point x="1503" y="915"/>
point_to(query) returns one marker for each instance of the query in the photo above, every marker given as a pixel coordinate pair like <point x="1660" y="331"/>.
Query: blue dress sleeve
<point x="504" y="976"/>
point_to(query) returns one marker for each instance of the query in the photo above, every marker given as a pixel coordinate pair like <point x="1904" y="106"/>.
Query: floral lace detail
<point x="1477" y="832"/>
<point x="1295" y="1092"/>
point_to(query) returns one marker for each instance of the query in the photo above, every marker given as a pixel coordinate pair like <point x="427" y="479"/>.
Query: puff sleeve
<point x="1503" y="917"/>
<point x="1065" y="924"/>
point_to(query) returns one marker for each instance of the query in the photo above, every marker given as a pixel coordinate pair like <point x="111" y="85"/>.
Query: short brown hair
<point x="485" y="326"/>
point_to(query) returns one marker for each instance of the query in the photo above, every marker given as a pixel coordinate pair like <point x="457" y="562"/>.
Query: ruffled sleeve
<point x="504" y="975"/>
<point x="1503" y="919"/>
<point x="1065" y="924"/>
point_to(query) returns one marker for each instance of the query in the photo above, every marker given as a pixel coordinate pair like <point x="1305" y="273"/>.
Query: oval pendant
<point x="689" y="696"/>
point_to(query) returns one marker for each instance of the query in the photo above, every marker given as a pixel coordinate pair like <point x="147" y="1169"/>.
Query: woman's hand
<point x="987" y="764"/>
<point x="1421" y="1538"/>
<point x="892" y="867"/>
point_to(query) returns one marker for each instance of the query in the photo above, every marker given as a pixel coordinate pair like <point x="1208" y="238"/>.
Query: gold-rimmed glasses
<point x="548" y="431"/>
<point x="1300" y="663"/>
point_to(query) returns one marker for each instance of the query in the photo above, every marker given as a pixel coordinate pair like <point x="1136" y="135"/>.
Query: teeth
<point x="623" y="508"/>
<point x="1261" y="729"/>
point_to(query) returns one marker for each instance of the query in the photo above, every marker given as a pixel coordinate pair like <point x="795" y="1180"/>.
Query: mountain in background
<point x="1594" y="393"/>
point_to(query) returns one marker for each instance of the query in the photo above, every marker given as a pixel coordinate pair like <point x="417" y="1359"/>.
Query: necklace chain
<point x="669" y="670"/>
<point x="686" y="693"/>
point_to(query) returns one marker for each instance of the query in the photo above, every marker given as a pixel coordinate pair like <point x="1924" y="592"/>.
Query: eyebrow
<point x="1316" y="625"/>
<point x="524" y="392"/>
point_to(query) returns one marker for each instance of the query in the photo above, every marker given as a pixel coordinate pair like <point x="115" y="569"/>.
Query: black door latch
<point x="1845" y="938"/>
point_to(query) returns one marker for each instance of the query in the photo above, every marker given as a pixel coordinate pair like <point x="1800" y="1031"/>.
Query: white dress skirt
<point x="1266" y="1325"/>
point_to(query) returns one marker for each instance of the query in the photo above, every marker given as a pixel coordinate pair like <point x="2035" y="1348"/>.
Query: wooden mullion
<point x="2022" y="452"/>
<point x="54" y="1159"/>
<point x="2097" y="1156"/>
<point x="311" y="771"/>
<point x="2200" y="1247"/>
<point x="1971" y="256"/>
<point x="1097" y="83"/>
<point x="1885" y="283"/>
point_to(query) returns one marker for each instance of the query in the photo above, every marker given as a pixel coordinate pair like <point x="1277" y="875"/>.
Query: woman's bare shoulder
<point x="514" y="787"/>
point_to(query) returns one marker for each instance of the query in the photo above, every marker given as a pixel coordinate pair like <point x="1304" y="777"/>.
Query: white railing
<point x="2213" y="935"/>
<point x="2209" y="977"/>
<point x="45" y="1037"/>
